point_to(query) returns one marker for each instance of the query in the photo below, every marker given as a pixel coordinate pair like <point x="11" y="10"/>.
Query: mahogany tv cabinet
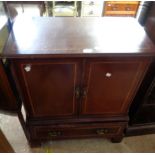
<point x="76" y="77"/>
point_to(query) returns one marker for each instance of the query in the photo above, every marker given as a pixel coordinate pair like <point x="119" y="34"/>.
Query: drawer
<point x="92" y="11"/>
<point x="120" y="7"/>
<point x="76" y="131"/>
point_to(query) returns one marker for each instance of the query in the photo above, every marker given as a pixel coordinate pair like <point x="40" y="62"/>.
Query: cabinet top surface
<point x="45" y="36"/>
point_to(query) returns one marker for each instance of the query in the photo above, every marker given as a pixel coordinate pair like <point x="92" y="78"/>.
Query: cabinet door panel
<point x="50" y="87"/>
<point x="110" y="85"/>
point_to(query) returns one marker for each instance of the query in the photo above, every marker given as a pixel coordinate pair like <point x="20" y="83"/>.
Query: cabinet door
<point x="50" y="88"/>
<point x="8" y="102"/>
<point x="110" y="85"/>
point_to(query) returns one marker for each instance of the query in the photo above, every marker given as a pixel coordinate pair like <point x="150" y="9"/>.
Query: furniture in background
<point x="143" y="10"/>
<point x="74" y="8"/>
<point x="8" y="101"/>
<point x="61" y="8"/>
<point x="121" y="8"/>
<point x="65" y="8"/>
<point x="7" y="95"/>
<point x="77" y="85"/>
<point x="142" y="111"/>
<point x="149" y="22"/>
<point x="91" y="8"/>
<point x="77" y="8"/>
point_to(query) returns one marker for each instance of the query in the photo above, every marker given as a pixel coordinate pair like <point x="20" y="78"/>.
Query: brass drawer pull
<point x="114" y="8"/>
<point x="84" y="92"/>
<point x="54" y="133"/>
<point x="101" y="131"/>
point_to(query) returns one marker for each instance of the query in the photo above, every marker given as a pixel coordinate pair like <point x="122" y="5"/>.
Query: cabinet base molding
<point x="42" y="133"/>
<point x="140" y="130"/>
<point x="47" y="121"/>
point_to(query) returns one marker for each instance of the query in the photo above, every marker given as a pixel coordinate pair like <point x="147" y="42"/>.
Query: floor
<point x="14" y="133"/>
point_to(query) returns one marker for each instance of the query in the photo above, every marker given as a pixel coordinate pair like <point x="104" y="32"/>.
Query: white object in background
<point x="92" y="8"/>
<point x="65" y="9"/>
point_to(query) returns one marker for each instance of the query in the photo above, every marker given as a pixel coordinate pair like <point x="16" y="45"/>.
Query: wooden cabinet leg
<point x="117" y="139"/>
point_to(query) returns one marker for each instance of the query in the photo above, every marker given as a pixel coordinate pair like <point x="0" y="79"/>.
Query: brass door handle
<point x="54" y="133"/>
<point x="101" y="131"/>
<point x="80" y="93"/>
<point x="77" y="92"/>
<point x="84" y="92"/>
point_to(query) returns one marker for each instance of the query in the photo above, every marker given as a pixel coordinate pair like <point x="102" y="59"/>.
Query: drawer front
<point x="121" y="7"/>
<point x="77" y="131"/>
<point x="116" y="8"/>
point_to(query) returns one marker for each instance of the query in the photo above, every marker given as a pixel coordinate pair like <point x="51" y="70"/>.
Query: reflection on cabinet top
<point x="77" y="37"/>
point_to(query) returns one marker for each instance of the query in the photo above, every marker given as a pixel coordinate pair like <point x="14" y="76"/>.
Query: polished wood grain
<point x="63" y="37"/>
<point x="110" y="84"/>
